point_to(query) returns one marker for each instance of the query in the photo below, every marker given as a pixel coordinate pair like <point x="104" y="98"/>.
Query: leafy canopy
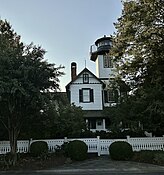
<point x="138" y="51"/>
<point x="26" y="79"/>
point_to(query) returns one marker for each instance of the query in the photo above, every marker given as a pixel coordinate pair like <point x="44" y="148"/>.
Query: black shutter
<point x="80" y="95"/>
<point x="116" y="96"/>
<point x="69" y="95"/>
<point x="91" y="95"/>
<point x="105" y="97"/>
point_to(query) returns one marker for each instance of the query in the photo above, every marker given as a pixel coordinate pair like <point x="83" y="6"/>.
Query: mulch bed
<point x="26" y="162"/>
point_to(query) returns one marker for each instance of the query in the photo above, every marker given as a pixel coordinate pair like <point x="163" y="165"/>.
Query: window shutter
<point x="91" y="95"/>
<point x="69" y="95"/>
<point x="105" y="97"/>
<point x="116" y="96"/>
<point x="80" y="95"/>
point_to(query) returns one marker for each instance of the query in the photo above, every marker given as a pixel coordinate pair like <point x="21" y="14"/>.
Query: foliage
<point x="149" y="156"/>
<point x="25" y="81"/>
<point x="159" y="158"/>
<point x="69" y="122"/>
<point x="126" y="115"/>
<point x="39" y="148"/>
<point x="62" y="150"/>
<point x="120" y="150"/>
<point x="138" y="52"/>
<point x="43" y="125"/>
<point x="114" y="133"/>
<point x="77" y="150"/>
<point x="59" y="119"/>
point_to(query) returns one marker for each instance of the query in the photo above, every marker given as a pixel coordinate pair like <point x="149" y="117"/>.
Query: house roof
<point x="84" y="70"/>
<point x="94" y="114"/>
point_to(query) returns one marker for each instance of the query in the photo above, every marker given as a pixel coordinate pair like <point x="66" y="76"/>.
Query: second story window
<point x="111" y="96"/>
<point x="85" y="78"/>
<point x="107" y="61"/>
<point x="86" y="95"/>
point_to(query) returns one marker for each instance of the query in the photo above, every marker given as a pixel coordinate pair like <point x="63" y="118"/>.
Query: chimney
<point x="73" y="71"/>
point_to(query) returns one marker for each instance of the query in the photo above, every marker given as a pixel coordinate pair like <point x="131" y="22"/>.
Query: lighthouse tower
<point x="105" y="68"/>
<point x="99" y="53"/>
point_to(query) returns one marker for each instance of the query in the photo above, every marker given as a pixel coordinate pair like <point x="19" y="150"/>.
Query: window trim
<point x="85" y="78"/>
<point x="90" y="96"/>
<point x="107" y="61"/>
<point x="107" y="96"/>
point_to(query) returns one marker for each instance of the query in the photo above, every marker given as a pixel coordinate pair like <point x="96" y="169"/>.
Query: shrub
<point x="61" y="150"/>
<point x="149" y="156"/>
<point x="76" y="150"/>
<point x="120" y="150"/>
<point x="159" y="158"/>
<point x="38" y="148"/>
<point x="146" y="156"/>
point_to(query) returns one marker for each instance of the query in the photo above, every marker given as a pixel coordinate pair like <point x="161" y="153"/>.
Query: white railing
<point x="95" y="145"/>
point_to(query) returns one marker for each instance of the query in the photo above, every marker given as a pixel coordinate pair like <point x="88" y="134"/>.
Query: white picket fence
<point x="95" y="145"/>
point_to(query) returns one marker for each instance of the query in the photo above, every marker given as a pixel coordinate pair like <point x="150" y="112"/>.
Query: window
<point x="86" y="95"/>
<point x="107" y="62"/>
<point x="110" y="96"/>
<point x="92" y="124"/>
<point x="99" y="123"/>
<point x="85" y="78"/>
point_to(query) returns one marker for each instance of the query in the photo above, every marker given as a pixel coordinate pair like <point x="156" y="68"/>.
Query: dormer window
<point x="85" y="78"/>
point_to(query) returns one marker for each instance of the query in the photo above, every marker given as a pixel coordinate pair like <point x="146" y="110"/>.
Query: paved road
<point x="98" y="166"/>
<point x="83" y="173"/>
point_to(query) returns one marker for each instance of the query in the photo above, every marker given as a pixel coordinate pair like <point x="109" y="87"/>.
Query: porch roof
<point x="94" y="114"/>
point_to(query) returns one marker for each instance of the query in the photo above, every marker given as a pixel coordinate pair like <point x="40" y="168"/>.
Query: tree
<point x="138" y="50"/>
<point x="49" y="119"/>
<point x="70" y="121"/>
<point x="25" y="81"/>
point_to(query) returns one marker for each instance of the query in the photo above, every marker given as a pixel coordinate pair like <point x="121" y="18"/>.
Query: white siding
<point x="102" y="72"/>
<point x="92" y="79"/>
<point x="97" y="92"/>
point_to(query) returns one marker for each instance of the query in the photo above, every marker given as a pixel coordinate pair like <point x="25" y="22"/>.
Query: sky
<point x="64" y="28"/>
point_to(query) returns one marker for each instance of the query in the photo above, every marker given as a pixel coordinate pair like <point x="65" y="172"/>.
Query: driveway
<point x="99" y="166"/>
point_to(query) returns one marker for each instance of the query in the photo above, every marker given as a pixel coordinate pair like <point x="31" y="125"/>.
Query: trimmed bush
<point x="76" y="150"/>
<point x="38" y="148"/>
<point x="120" y="150"/>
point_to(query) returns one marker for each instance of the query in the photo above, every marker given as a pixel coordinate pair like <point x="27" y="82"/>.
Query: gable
<point x="85" y="77"/>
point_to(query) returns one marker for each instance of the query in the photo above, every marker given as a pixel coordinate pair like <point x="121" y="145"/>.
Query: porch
<point x="96" y="121"/>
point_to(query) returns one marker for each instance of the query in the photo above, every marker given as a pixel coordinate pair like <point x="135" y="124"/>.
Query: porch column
<point x="104" y="128"/>
<point x="86" y="121"/>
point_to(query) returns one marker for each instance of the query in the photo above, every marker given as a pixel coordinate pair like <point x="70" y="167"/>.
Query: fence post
<point x="65" y="140"/>
<point x="30" y="141"/>
<point x="163" y="142"/>
<point x="98" y="146"/>
<point x="128" y="139"/>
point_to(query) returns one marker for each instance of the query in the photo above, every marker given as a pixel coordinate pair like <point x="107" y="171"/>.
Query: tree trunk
<point x="13" y="145"/>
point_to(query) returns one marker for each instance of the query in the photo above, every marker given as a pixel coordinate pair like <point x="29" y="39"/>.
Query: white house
<point x="92" y="92"/>
<point x="86" y="90"/>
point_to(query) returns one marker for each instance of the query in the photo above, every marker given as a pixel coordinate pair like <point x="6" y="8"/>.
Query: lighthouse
<point x="105" y="68"/>
<point x="99" y="53"/>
